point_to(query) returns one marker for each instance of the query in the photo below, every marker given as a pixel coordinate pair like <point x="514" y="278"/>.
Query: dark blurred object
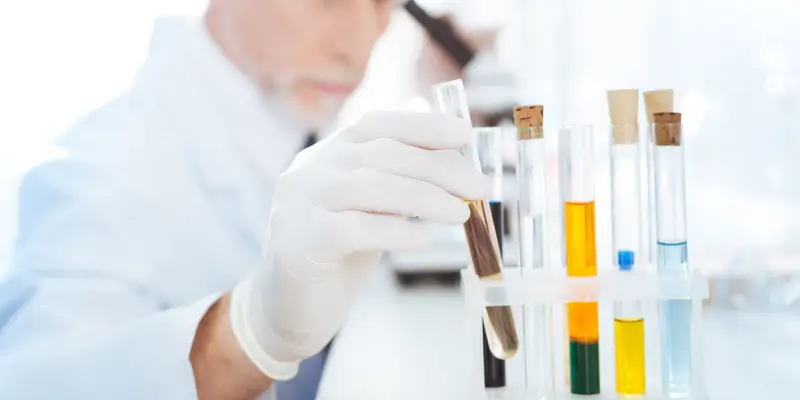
<point x="496" y="119"/>
<point x="311" y="139"/>
<point x="491" y="87"/>
<point x="437" y="278"/>
<point x="443" y="34"/>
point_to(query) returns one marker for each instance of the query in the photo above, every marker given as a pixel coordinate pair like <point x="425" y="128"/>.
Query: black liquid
<point x="584" y="367"/>
<point x="497" y="218"/>
<point x="494" y="369"/>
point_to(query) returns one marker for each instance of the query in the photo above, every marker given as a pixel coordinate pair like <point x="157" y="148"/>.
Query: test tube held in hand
<point x="481" y="236"/>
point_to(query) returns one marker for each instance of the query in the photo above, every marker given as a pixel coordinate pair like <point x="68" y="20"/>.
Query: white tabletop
<point x="398" y="344"/>
<point x="412" y="344"/>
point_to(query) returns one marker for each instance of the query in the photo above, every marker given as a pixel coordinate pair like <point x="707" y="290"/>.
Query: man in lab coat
<point x="171" y="254"/>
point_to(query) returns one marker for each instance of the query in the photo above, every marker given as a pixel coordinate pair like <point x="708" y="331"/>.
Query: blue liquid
<point x="676" y="317"/>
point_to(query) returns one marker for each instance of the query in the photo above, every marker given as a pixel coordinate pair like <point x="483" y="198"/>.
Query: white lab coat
<point x="159" y="206"/>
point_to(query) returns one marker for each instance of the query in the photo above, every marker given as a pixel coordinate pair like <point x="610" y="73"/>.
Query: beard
<point x="294" y="95"/>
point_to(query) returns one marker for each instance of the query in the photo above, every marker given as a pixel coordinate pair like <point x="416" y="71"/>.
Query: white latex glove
<point x="339" y="205"/>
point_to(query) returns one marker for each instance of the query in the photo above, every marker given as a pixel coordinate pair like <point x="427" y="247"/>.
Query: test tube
<point x="531" y="178"/>
<point x="670" y="203"/>
<point x="481" y="236"/>
<point x="576" y="155"/>
<point x="627" y="238"/>
<point x="490" y="156"/>
<point x="655" y="101"/>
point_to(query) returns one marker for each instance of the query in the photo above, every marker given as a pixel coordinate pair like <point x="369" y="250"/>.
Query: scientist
<point x="172" y="255"/>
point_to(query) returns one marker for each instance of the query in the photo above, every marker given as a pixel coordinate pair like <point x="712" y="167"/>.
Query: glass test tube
<point x="576" y="155"/>
<point x="490" y="156"/>
<point x="482" y="240"/>
<point x="655" y="101"/>
<point x="531" y="178"/>
<point x="670" y="204"/>
<point x="626" y="210"/>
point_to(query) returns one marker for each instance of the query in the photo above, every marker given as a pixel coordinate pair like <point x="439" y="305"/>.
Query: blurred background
<point x="734" y="65"/>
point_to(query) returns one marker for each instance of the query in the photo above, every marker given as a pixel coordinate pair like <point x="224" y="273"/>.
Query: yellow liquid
<point x="629" y="343"/>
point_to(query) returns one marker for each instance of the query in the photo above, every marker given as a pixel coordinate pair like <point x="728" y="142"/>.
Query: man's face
<point x="309" y="54"/>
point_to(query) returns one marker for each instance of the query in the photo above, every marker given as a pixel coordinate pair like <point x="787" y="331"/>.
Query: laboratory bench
<point x="411" y="343"/>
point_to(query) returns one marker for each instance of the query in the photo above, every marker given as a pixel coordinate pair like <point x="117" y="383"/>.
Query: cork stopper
<point x="623" y="109"/>
<point x="656" y="101"/>
<point x="529" y="120"/>
<point x="667" y="128"/>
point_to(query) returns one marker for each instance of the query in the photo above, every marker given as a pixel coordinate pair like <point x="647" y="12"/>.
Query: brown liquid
<point x="484" y="252"/>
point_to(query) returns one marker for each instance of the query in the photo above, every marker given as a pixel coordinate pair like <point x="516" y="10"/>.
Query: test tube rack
<point x="556" y="290"/>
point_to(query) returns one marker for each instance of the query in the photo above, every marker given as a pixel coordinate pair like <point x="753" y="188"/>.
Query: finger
<point x="425" y="130"/>
<point x="447" y="169"/>
<point x="374" y="191"/>
<point x="376" y="232"/>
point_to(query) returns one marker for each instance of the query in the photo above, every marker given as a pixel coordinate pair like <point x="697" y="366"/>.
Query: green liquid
<point x="584" y="367"/>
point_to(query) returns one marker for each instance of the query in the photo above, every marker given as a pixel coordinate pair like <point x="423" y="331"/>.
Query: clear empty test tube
<point x="670" y="204"/>
<point x="626" y="209"/>
<point x="531" y="179"/>
<point x="490" y="156"/>
<point x="482" y="239"/>
<point x="576" y="155"/>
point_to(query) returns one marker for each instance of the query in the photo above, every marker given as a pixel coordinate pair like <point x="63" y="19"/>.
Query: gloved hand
<point x="339" y="205"/>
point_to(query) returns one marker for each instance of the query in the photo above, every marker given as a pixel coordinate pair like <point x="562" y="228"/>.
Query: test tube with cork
<point x="531" y="178"/>
<point x="626" y="199"/>
<point x="655" y="101"/>
<point x="672" y="252"/>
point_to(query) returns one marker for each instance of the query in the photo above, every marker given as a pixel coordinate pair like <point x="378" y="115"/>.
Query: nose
<point x="356" y="32"/>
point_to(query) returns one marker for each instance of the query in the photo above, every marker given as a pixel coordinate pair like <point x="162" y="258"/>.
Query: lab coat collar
<point x="217" y="93"/>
